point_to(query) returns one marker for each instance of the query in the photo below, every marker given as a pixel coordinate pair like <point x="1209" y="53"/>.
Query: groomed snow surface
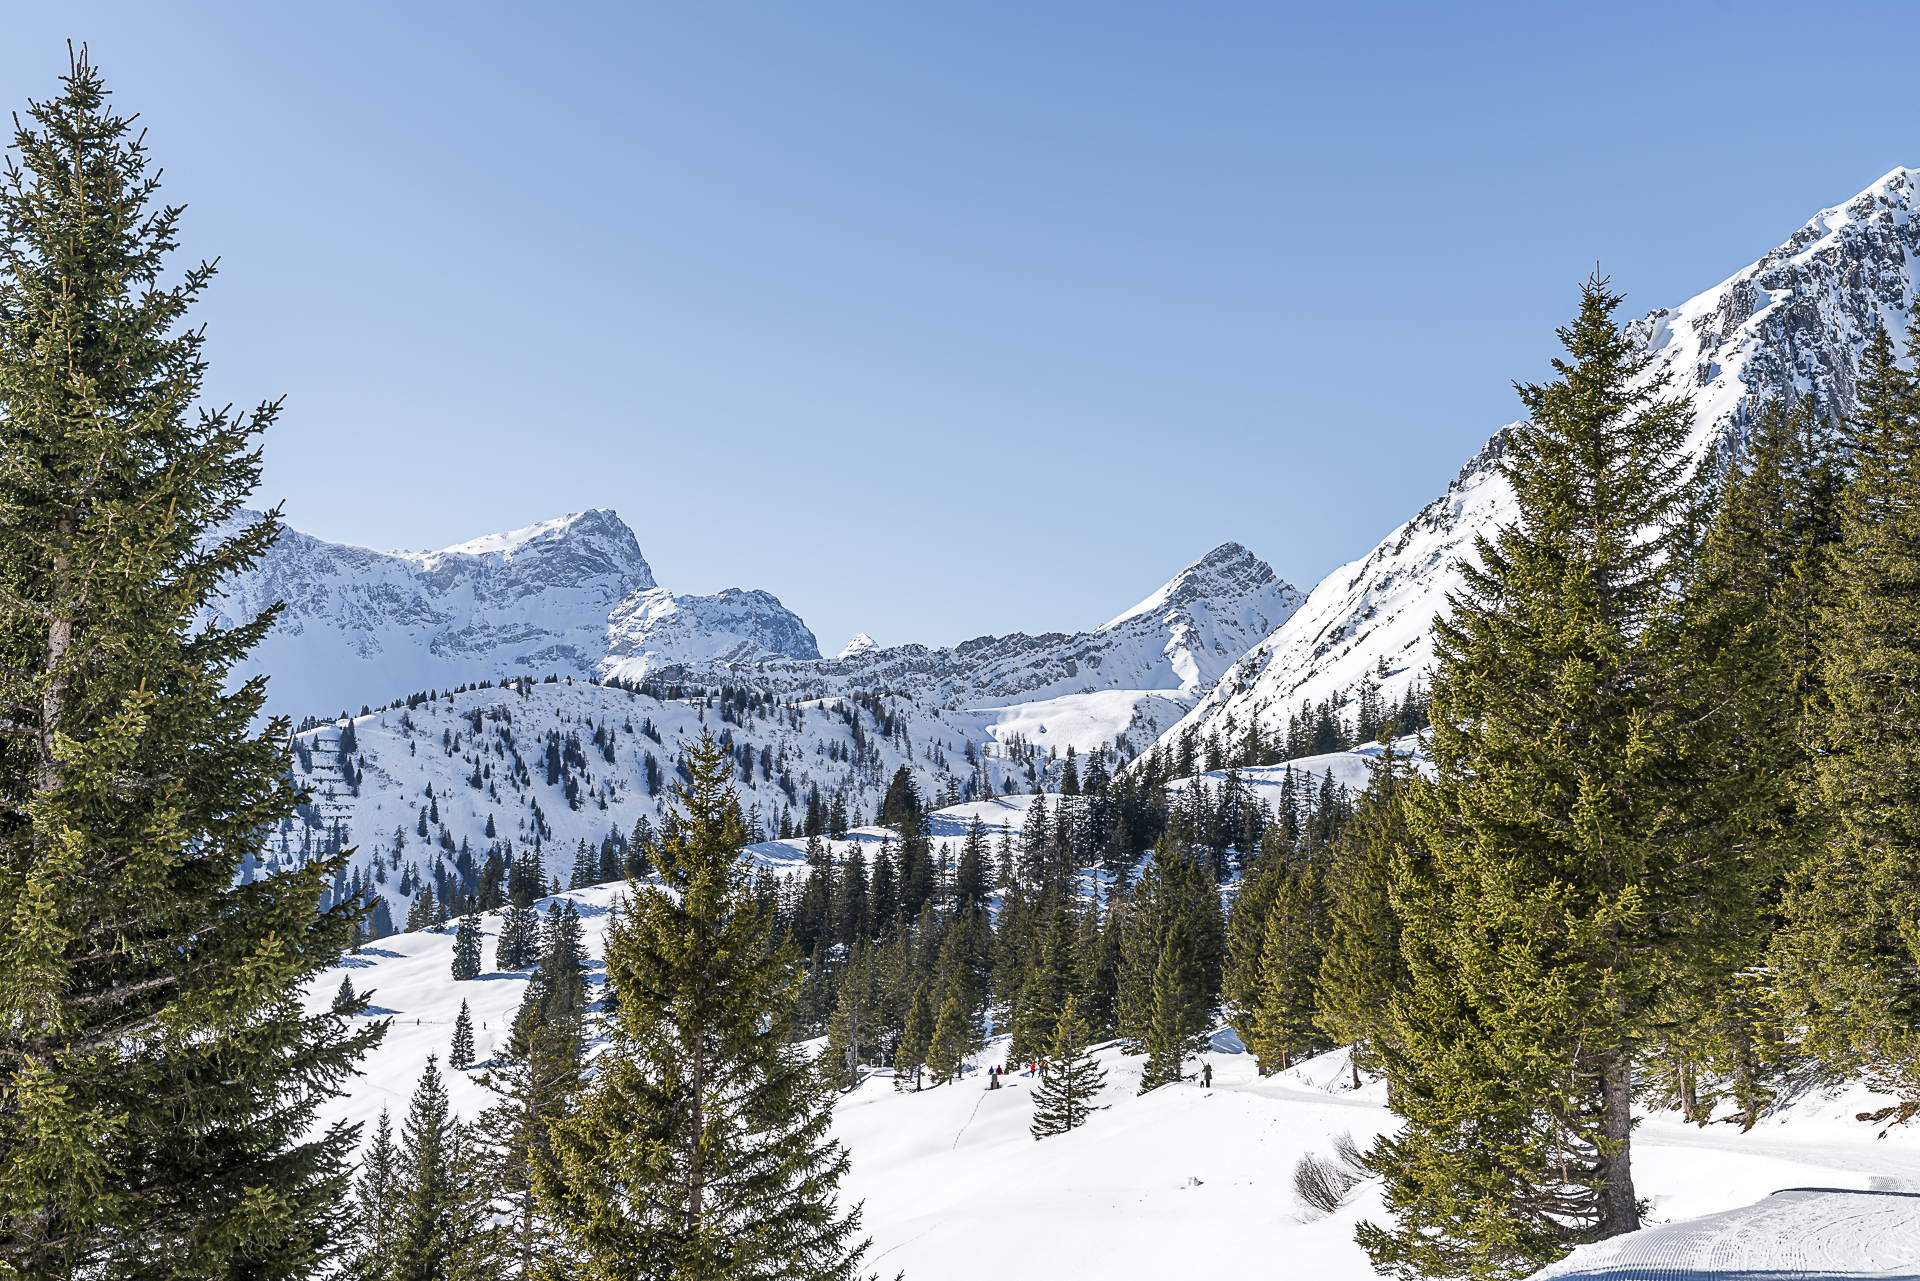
<point x="1188" y="1181"/>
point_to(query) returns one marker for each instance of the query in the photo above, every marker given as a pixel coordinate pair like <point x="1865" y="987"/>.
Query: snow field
<point x="955" y="1187"/>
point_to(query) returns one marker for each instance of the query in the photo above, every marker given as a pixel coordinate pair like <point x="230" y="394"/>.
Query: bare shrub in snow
<point x="1322" y="1183"/>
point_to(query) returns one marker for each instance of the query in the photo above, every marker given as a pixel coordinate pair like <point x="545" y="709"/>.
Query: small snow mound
<point x="860" y="644"/>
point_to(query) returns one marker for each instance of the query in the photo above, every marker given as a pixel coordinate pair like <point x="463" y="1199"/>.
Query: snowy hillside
<point x="361" y="626"/>
<point x="1794" y="322"/>
<point x="1189" y="1181"/>
<point x="573" y="762"/>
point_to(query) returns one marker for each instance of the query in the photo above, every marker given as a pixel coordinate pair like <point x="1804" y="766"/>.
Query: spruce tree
<point x="915" y="1040"/>
<point x="535" y="1076"/>
<point x="376" y="1195"/>
<point x="135" y="970"/>
<point x="948" y="1049"/>
<point x="1849" y="956"/>
<point x="1362" y="969"/>
<point x="1179" y="1009"/>
<point x="460" y="1055"/>
<point x="1290" y="956"/>
<point x="440" y="1234"/>
<point x="1578" y="848"/>
<point x="1073" y="1080"/>
<point x="466" y="948"/>
<point x="701" y="1147"/>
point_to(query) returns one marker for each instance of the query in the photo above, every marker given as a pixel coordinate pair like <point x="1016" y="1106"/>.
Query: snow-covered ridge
<point x="1175" y="643"/>
<point x="362" y="627"/>
<point x="1792" y="323"/>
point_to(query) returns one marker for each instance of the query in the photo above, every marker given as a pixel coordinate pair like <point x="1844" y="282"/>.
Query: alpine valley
<point x="539" y="690"/>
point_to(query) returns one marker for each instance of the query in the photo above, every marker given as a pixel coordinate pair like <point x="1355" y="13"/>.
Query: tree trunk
<point x="1618" y="1209"/>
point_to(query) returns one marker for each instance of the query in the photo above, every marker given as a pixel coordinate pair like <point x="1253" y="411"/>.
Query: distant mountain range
<point x="1226" y="641"/>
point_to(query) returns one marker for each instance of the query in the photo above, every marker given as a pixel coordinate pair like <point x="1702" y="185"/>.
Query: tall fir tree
<point x="701" y="1147"/>
<point x="1074" y="1078"/>
<point x="535" y="1077"/>
<point x="1578" y="848"/>
<point x="1848" y="955"/>
<point x="440" y="1233"/>
<point x="466" y="948"/>
<point x="1362" y="969"/>
<point x="136" y="971"/>
<point x="460" y="1053"/>
<point x="376" y="1207"/>
<point x="915" y="1040"/>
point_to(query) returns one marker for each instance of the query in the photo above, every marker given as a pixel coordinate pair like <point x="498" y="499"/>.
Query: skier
<point x="1206" y="1075"/>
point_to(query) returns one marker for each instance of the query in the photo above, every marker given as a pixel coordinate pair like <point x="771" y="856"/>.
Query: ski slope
<point x="1188" y="1181"/>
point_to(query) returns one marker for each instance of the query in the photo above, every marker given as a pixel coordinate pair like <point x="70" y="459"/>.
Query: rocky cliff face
<point x="1793" y="323"/>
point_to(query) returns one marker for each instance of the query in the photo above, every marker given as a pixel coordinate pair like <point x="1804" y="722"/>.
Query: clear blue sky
<point x="944" y="320"/>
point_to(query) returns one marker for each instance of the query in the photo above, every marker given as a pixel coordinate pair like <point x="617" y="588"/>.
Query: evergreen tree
<point x="1848" y="955"/>
<point x="952" y="1033"/>
<point x="1290" y="958"/>
<point x="1179" y="1009"/>
<point x="136" y="970"/>
<point x="915" y="1040"/>
<point x="376" y="1195"/>
<point x="1074" y="1078"/>
<point x="535" y="1077"/>
<point x="466" y="948"/>
<point x="701" y="1148"/>
<point x="1577" y="850"/>
<point x="346" y="1001"/>
<point x="1362" y="970"/>
<point x="460" y="1056"/>
<point x="438" y="1232"/>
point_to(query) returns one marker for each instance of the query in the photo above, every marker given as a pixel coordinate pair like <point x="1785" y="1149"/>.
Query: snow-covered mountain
<point x="1176" y="643"/>
<point x="575" y="597"/>
<point x="568" y="596"/>
<point x="1792" y="323"/>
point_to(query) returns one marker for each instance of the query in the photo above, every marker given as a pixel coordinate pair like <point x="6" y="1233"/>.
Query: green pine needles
<point x="1073" y="1078"/>
<point x="1585" y="846"/>
<point x="700" y="1148"/>
<point x="157" y="1073"/>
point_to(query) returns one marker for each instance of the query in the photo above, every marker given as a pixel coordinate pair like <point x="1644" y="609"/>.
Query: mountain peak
<point x="860" y="644"/>
<point x="1229" y="567"/>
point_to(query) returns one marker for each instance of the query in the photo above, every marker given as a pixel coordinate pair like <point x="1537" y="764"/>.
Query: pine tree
<point x="1848" y="955"/>
<point x="1074" y="1078"/>
<point x="346" y="1001"/>
<point x="701" y="1148"/>
<point x="915" y="1040"/>
<point x="1577" y="849"/>
<point x="1283" y="1023"/>
<point x="460" y="1056"/>
<point x="466" y="948"/>
<point x="1362" y="970"/>
<point x="536" y="1077"/>
<point x="1179" y="1009"/>
<point x="948" y="1049"/>
<point x="439" y="1230"/>
<point x="376" y="1195"/>
<point x="136" y="971"/>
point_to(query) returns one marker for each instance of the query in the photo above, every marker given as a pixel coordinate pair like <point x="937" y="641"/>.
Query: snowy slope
<point x="438" y="745"/>
<point x="1186" y="1181"/>
<point x="362" y="626"/>
<point x="1794" y="322"/>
